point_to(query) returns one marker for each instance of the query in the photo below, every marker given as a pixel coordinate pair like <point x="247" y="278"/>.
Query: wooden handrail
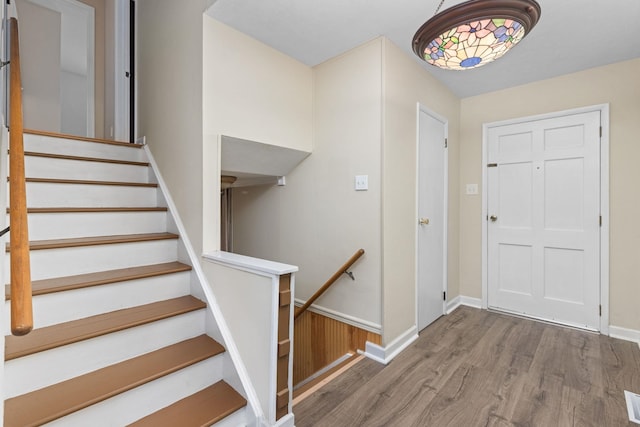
<point x="328" y="283"/>
<point x="21" y="307"/>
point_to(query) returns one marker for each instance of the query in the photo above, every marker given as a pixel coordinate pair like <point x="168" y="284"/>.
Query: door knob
<point x="424" y="221"/>
<point x="493" y="218"/>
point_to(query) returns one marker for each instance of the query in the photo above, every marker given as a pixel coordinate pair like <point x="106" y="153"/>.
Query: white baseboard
<point x="286" y="421"/>
<point x="344" y="318"/>
<point x="624" y="334"/>
<point x="386" y="354"/>
<point x="462" y="300"/>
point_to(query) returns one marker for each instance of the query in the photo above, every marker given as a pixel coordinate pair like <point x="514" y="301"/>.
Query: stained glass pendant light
<point x="474" y="33"/>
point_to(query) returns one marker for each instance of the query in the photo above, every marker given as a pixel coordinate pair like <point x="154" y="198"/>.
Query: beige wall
<point x="251" y="91"/>
<point x="616" y="84"/>
<point x="317" y="221"/>
<point x="405" y="84"/>
<point x="169" y="78"/>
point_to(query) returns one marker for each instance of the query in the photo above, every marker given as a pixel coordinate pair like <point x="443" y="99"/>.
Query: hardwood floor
<point x="478" y="368"/>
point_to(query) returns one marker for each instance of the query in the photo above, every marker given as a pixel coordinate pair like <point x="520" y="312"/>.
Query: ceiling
<point x="572" y="35"/>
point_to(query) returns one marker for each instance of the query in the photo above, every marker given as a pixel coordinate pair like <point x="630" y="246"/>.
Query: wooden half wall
<point x="319" y="340"/>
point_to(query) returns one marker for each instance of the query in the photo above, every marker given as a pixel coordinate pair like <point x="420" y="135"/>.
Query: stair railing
<point x="342" y="270"/>
<point x="21" y="306"/>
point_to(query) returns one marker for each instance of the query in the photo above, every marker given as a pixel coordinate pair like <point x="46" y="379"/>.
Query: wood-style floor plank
<point x="480" y="368"/>
<point x="96" y="240"/>
<point x="59" y="284"/>
<point x="49" y="403"/>
<point x="49" y="337"/>
<point x="82" y="138"/>
<point x="204" y="408"/>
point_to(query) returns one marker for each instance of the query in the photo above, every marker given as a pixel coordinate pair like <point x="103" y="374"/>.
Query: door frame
<point x="445" y="244"/>
<point x="604" y="201"/>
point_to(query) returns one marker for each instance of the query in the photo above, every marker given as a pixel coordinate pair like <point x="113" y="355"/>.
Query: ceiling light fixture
<point x="474" y="33"/>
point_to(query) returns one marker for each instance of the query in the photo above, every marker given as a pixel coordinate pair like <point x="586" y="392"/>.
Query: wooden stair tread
<point x="204" y="408"/>
<point x="59" y="284"/>
<point x="90" y="182"/>
<point x="63" y="398"/>
<point x="49" y="337"/>
<point x="81" y="138"/>
<point x="85" y="159"/>
<point x="97" y="240"/>
<point x="96" y="209"/>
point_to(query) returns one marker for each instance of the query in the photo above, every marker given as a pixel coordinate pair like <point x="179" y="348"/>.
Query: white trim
<point x="344" y="318"/>
<point x="120" y="67"/>
<point x="286" y="421"/>
<point x="624" y="334"/>
<point x="445" y="225"/>
<point x="463" y="300"/>
<point x="633" y="406"/>
<point x="4" y="143"/>
<point x="212" y="304"/>
<point x="604" y="200"/>
<point x="386" y="354"/>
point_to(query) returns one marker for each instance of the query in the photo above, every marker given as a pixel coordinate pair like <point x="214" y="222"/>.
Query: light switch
<point x="362" y="182"/>
<point x="472" y="188"/>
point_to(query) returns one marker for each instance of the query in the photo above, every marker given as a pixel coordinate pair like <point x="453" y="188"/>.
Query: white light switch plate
<point x="362" y="182"/>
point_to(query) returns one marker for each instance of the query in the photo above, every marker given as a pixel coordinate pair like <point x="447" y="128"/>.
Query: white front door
<point x="432" y="217"/>
<point x="543" y="213"/>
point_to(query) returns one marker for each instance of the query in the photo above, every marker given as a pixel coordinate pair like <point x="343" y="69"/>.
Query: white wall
<point x="40" y="56"/>
<point x="617" y="84"/>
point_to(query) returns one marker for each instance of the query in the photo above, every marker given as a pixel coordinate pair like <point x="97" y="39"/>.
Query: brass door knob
<point x="424" y="221"/>
<point x="493" y="218"/>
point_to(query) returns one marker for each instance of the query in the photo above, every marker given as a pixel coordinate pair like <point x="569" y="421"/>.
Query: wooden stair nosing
<point x="203" y="408"/>
<point x="81" y="138"/>
<point x="85" y="159"/>
<point x="49" y="403"/>
<point x="60" y="284"/>
<point x="49" y="337"/>
<point x="96" y="240"/>
<point x="96" y="209"/>
<point x="89" y="182"/>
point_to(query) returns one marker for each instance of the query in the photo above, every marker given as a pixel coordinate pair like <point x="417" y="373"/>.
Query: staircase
<point x="121" y="333"/>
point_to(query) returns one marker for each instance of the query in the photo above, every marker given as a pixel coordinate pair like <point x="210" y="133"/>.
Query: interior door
<point x="432" y="217"/>
<point x="543" y="232"/>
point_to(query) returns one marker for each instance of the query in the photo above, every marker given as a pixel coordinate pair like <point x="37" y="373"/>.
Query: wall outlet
<point x="362" y="182"/>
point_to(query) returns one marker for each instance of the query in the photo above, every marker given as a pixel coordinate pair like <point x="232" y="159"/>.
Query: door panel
<point x="432" y="202"/>
<point x="543" y="231"/>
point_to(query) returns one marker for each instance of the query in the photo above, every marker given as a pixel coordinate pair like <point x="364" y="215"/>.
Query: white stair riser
<point x="44" y="226"/>
<point x="36" y="371"/>
<point x="127" y="407"/>
<point x="45" y="144"/>
<point x="45" y="194"/>
<point x="236" y="419"/>
<point x="60" y="307"/>
<point x="49" y="263"/>
<point x="43" y="167"/>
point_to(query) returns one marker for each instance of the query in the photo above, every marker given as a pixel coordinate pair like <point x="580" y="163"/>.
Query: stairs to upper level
<point x="121" y="333"/>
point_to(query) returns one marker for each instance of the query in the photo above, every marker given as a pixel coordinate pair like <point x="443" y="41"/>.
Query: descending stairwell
<point x="121" y="334"/>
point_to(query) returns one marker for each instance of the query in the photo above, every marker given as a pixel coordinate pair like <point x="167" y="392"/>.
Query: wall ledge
<point x="250" y="264"/>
